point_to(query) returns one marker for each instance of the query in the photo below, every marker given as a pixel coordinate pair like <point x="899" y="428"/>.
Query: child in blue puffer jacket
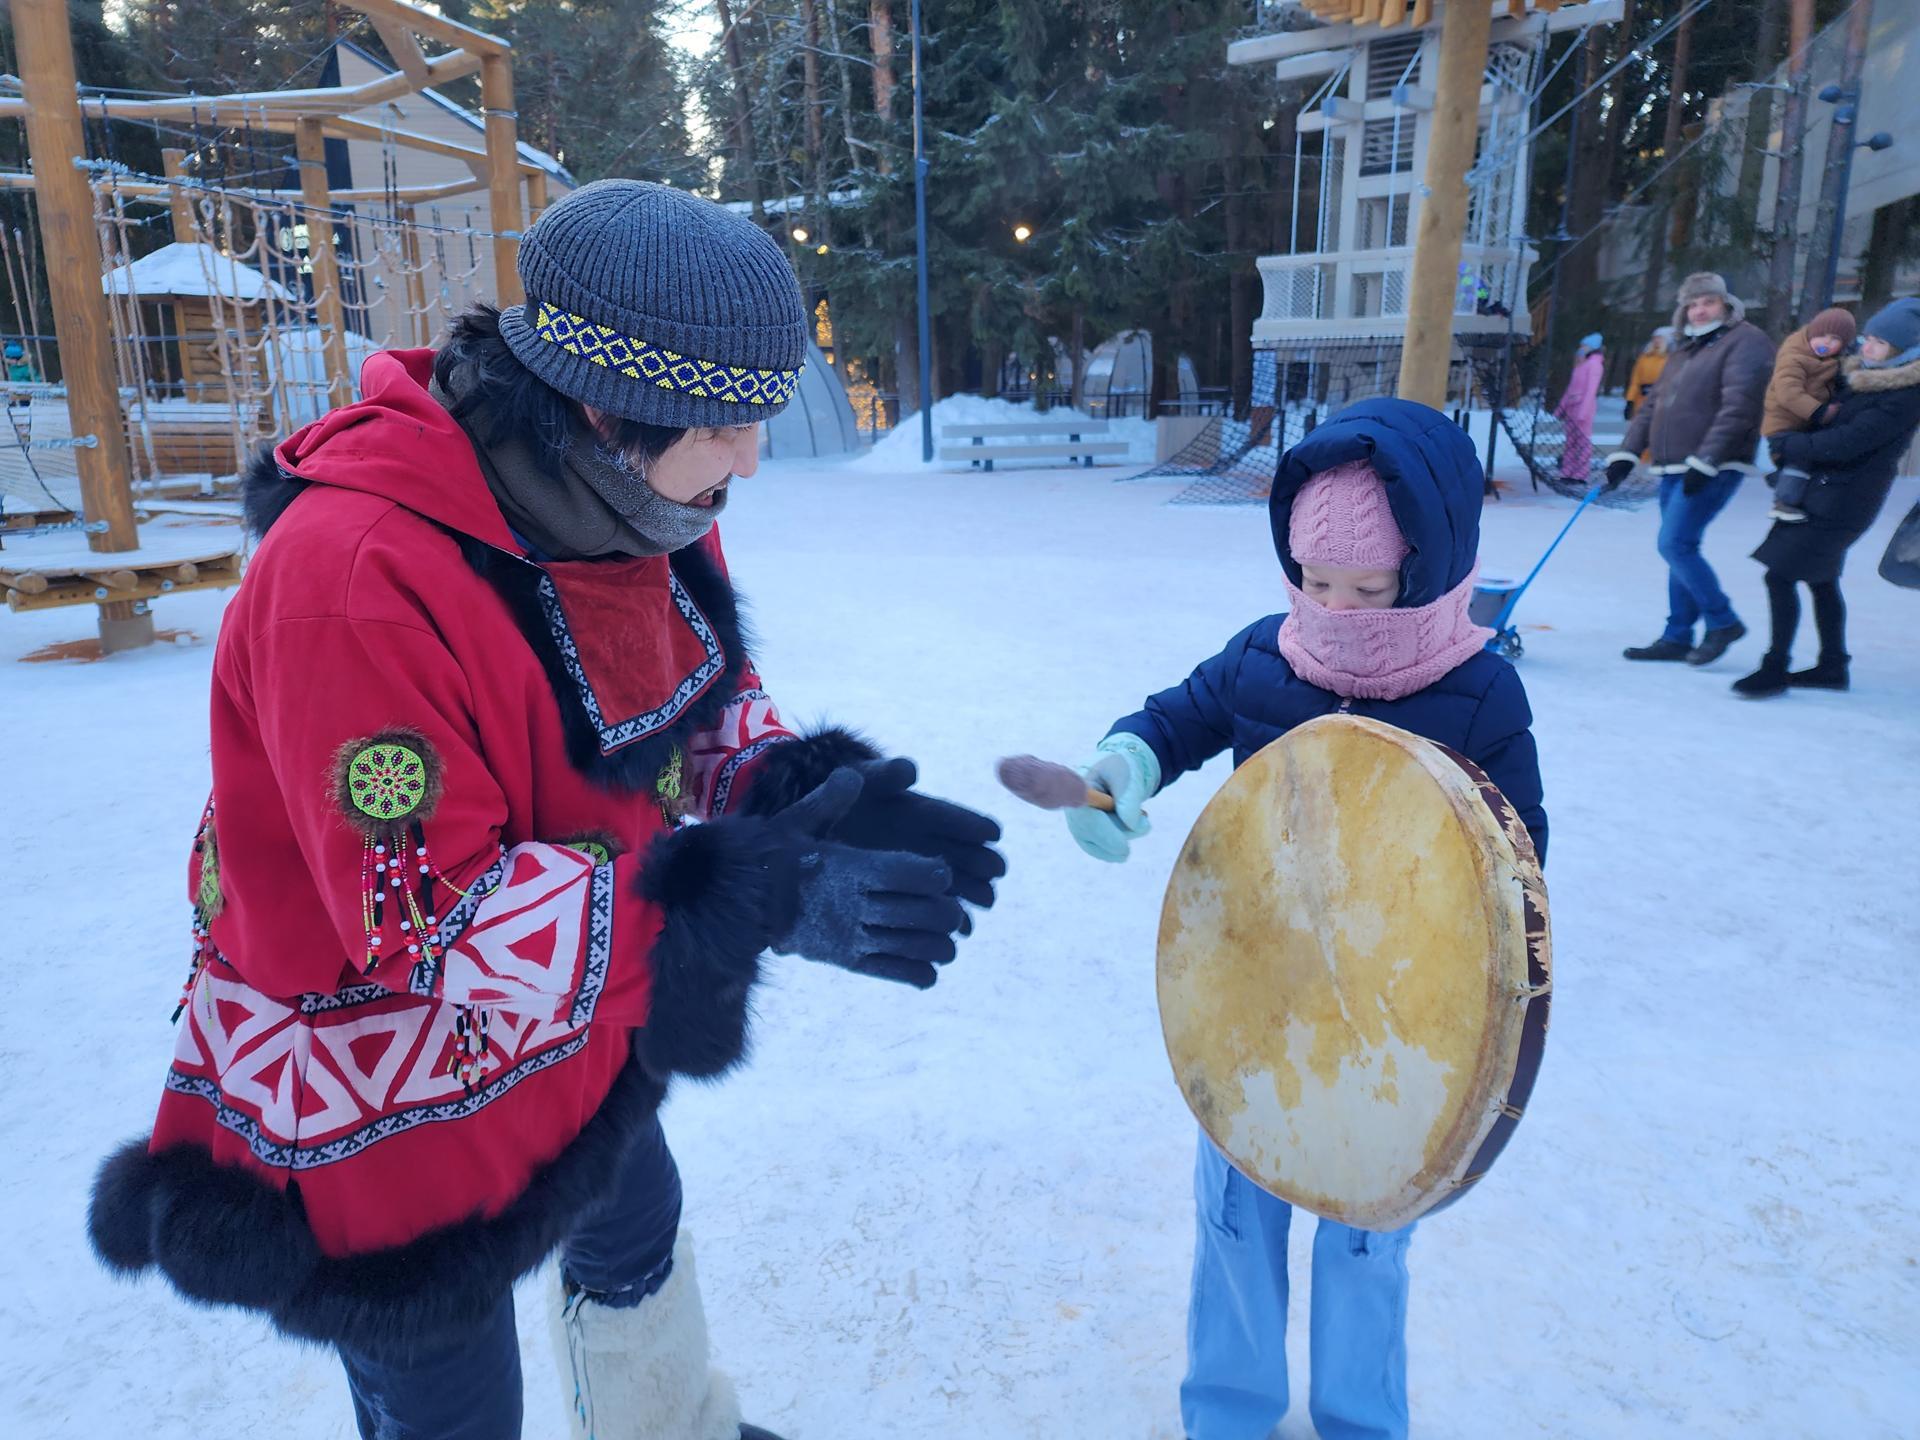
<point x="1376" y="518"/>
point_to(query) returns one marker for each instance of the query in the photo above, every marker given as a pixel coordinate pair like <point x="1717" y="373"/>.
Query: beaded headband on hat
<point x="638" y="359"/>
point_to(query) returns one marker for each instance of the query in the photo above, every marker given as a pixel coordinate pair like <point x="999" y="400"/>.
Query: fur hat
<point x="1341" y="517"/>
<point x="1705" y="285"/>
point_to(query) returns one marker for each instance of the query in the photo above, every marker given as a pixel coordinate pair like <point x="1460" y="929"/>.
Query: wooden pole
<point x="1465" y="31"/>
<point x="310" y="148"/>
<point x="81" y="324"/>
<point x="174" y="162"/>
<point x="419" y="332"/>
<point x="503" y="190"/>
<point x="536" y="195"/>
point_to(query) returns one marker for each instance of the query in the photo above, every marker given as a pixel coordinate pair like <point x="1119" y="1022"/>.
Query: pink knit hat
<point x="1341" y="517"/>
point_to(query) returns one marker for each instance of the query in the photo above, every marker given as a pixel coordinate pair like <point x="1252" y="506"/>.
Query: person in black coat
<point x="1852" y="459"/>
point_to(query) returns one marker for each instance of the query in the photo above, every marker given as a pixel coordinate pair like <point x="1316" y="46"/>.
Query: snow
<point x="968" y="1212"/>
<point x="180" y="268"/>
<point x="900" y="448"/>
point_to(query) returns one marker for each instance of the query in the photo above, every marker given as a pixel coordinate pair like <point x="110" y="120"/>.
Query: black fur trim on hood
<point x="266" y="490"/>
<point x="635" y="766"/>
<point x="788" y="772"/>
<point x="223" y="1236"/>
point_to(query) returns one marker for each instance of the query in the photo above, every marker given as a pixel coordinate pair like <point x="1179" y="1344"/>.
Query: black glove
<point x="1618" y="472"/>
<point x="875" y="912"/>
<point x="891" y="815"/>
<point x="1699" y="475"/>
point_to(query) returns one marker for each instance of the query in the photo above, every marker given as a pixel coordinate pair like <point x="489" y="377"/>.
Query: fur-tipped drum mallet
<point x="1049" y="786"/>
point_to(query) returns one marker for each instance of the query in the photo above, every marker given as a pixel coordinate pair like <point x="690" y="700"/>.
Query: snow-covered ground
<point x="967" y="1213"/>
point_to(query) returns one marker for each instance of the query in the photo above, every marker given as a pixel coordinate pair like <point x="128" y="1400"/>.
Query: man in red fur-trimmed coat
<point x="453" y="932"/>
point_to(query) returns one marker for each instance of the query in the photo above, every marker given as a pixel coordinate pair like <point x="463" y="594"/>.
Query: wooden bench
<point x="1007" y="446"/>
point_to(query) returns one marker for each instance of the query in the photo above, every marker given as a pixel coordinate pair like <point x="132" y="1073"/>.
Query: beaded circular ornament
<point x="387" y="782"/>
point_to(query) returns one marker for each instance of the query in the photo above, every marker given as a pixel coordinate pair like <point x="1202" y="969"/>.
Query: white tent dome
<point x="818" y="421"/>
<point x="1123" y="365"/>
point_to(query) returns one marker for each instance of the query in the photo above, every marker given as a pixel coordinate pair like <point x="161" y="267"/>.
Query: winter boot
<point x="1829" y="674"/>
<point x="1659" y="650"/>
<point x="641" y="1372"/>
<point x="1769" y="680"/>
<point x="1715" y="643"/>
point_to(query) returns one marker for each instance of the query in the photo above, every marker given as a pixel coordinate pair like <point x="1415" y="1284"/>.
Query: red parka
<point x="430" y="890"/>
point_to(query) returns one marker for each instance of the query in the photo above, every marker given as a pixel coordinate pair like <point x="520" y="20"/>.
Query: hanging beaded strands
<point x="388" y="787"/>
<point x="207" y="903"/>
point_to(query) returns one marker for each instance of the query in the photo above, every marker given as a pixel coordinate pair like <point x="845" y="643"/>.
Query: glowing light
<point x="1023" y="233"/>
<point x="799" y="236"/>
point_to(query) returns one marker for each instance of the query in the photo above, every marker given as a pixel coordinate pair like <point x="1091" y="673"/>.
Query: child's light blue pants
<point x="1236" y="1385"/>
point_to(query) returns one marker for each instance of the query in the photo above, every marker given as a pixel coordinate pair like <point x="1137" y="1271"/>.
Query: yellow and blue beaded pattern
<point x="639" y="360"/>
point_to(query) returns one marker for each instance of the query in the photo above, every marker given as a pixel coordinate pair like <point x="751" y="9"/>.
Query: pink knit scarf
<point x="1380" y="654"/>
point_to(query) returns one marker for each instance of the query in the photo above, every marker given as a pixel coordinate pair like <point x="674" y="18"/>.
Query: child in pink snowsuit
<point x="1577" y="406"/>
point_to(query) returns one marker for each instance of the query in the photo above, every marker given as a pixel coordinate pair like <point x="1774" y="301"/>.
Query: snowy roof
<point x="182" y="269"/>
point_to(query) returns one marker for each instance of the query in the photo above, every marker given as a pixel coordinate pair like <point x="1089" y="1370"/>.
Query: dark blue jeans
<point x="469" y="1389"/>
<point x="1693" y="590"/>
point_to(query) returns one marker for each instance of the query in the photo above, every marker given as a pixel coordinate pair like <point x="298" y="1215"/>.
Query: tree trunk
<point x="1786" y="196"/>
<point x="1616" y="89"/>
<point x="1579" y="260"/>
<point x="838" y="41"/>
<point x="1239" y="324"/>
<point x="1669" y="147"/>
<point x="1753" y="159"/>
<point x="906" y="361"/>
<point x="1077" y="352"/>
<point x="1815" y="291"/>
<point x="818" y="210"/>
<point x="880" y="36"/>
<point x="742" y="121"/>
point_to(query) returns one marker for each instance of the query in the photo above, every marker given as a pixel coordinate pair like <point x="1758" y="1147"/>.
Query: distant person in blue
<point x="19" y="368"/>
<point x="1376" y="521"/>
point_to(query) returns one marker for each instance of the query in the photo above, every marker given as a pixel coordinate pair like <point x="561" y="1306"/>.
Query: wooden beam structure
<point x="310" y="146"/>
<point x="438" y="28"/>
<point x="503" y="147"/>
<point x="159" y="190"/>
<point x="82" y="326"/>
<point x="179" y="199"/>
<point x="1434" y="278"/>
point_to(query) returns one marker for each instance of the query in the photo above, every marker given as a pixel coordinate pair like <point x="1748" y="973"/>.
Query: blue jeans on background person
<point x="1693" y="590"/>
<point x="1236" y="1385"/>
<point x="469" y="1388"/>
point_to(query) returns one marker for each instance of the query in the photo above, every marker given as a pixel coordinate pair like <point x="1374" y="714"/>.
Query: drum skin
<point x="1354" y="971"/>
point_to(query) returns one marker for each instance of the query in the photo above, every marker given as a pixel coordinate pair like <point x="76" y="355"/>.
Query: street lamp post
<point x="1846" y="112"/>
<point x="920" y="248"/>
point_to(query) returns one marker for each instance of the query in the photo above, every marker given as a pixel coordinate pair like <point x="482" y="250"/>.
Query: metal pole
<point x="920" y="249"/>
<point x="1847" y="114"/>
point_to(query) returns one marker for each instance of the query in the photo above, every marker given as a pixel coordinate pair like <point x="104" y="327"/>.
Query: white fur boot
<point x="642" y="1373"/>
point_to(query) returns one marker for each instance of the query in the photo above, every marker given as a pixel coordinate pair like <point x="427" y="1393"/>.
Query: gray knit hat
<point x="656" y="305"/>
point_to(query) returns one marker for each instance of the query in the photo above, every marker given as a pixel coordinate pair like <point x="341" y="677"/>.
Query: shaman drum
<point x="1354" y="971"/>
